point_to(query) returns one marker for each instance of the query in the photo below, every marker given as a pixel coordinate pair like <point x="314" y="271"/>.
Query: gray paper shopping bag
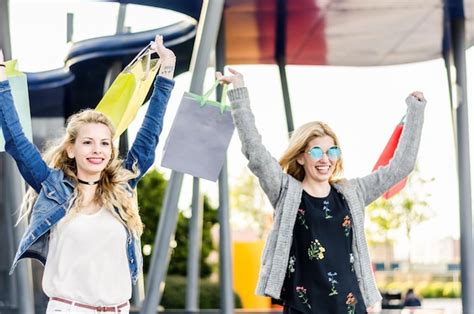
<point x="199" y="136"/>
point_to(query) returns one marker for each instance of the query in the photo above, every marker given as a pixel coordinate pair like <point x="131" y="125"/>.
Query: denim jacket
<point x="55" y="190"/>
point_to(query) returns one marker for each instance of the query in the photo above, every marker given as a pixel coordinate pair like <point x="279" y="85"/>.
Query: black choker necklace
<point x="87" y="182"/>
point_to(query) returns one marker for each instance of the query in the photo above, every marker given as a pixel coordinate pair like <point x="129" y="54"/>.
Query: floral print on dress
<point x="351" y="261"/>
<point x="326" y="209"/>
<point x="301" y="219"/>
<point x="333" y="282"/>
<point x="351" y="302"/>
<point x="291" y="265"/>
<point x="316" y="250"/>
<point x="301" y="293"/>
<point x="347" y="225"/>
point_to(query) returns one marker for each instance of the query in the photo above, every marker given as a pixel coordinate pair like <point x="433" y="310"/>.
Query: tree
<point x="384" y="218"/>
<point x="151" y="191"/>
<point x="413" y="206"/>
<point x="404" y="211"/>
<point x="178" y="264"/>
<point x="247" y="202"/>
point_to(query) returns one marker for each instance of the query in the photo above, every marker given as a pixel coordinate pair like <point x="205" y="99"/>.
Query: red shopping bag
<point x="387" y="155"/>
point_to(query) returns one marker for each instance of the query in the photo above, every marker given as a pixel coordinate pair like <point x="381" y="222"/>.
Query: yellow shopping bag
<point x="19" y="90"/>
<point x="127" y="93"/>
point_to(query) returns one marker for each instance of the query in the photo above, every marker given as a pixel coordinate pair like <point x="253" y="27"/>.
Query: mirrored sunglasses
<point x="333" y="153"/>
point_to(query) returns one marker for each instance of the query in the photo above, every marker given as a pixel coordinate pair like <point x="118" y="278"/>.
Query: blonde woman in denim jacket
<point x="316" y="258"/>
<point x="84" y="224"/>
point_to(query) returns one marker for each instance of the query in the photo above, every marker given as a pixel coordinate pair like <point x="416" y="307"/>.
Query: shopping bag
<point x="127" y="93"/>
<point x="199" y="136"/>
<point x="387" y="155"/>
<point x="19" y="90"/>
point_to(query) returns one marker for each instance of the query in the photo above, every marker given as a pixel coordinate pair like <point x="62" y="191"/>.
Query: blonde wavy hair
<point x="298" y="145"/>
<point x="113" y="191"/>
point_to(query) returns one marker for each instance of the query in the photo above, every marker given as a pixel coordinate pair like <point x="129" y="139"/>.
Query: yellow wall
<point x="246" y="264"/>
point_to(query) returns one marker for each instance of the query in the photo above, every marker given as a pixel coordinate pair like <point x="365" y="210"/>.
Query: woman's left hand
<point x="418" y="95"/>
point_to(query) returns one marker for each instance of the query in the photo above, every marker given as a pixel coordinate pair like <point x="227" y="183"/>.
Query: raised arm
<point x="28" y="159"/>
<point x="403" y="162"/>
<point x="142" y="152"/>
<point x="261" y="162"/>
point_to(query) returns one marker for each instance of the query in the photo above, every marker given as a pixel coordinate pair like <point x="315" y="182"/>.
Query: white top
<point x="87" y="260"/>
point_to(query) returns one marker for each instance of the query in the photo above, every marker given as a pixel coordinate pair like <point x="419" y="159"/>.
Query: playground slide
<point x="80" y="84"/>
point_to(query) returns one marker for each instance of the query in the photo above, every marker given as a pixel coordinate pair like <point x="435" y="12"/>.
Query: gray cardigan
<point x="284" y="193"/>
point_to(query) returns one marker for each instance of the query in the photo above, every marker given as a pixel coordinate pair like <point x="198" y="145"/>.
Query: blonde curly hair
<point x="113" y="191"/>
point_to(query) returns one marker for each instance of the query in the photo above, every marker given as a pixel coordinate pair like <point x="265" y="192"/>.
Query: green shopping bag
<point x="127" y="93"/>
<point x="199" y="136"/>
<point x="19" y="89"/>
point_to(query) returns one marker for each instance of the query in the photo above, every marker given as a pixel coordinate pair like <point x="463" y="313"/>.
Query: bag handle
<point x="145" y="52"/>
<point x="221" y="104"/>
<point x="139" y="55"/>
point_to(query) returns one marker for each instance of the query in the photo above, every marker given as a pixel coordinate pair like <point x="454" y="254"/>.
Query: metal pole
<point x="447" y="53"/>
<point x="194" y="249"/>
<point x="14" y="189"/>
<point x="280" y="55"/>
<point x="161" y="248"/>
<point x="7" y="243"/>
<point x="69" y="27"/>
<point x="5" y="41"/>
<point x="121" y="19"/>
<point x="225" y="243"/>
<point x="225" y="261"/>
<point x="205" y="40"/>
<point x="14" y="192"/>
<point x="464" y="166"/>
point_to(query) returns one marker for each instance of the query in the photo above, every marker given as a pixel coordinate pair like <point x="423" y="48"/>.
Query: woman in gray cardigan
<point x="316" y="258"/>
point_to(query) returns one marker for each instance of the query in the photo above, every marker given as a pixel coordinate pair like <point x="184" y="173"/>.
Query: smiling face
<point x="321" y="169"/>
<point x="91" y="150"/>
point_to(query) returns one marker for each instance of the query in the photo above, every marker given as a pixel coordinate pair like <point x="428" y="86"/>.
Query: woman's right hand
<point x="3" y="72"/>
<point x="236" y="79"/>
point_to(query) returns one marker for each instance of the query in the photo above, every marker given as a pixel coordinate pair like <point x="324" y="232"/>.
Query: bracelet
<point x="3" y="65"/>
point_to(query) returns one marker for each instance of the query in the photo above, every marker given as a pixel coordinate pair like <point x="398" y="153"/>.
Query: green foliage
<point x="403" y="212"/>
<point x="384" y="218"/>
<point x="248" y="200"/>
<point x="178" y="265"/>
<point x="174" y="295"/>
<point x="151" y="191"/>
<point x="452" y="290"/>
<point x="435" y="289"/>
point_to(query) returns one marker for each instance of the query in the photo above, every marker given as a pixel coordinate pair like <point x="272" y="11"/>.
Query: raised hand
<point x="167" y="56"/>
<point x="418" y="95"/>
<point x="163" y="52"/>
<point x="236" y="79"/>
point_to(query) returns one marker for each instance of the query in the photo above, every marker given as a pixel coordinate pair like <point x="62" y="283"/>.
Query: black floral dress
<point x="320" y="276"/>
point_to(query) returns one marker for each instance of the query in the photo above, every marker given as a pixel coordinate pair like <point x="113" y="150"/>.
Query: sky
<point x="362" y="105"/>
